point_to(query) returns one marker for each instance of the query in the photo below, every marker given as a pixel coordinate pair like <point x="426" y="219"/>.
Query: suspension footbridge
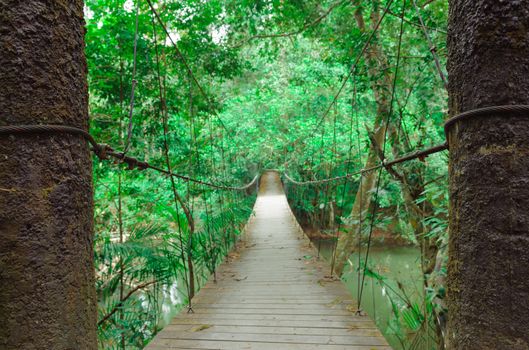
<point x="275" y="295"/>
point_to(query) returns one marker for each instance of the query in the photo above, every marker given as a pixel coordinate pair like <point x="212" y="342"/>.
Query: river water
<point x="396" y="265"/>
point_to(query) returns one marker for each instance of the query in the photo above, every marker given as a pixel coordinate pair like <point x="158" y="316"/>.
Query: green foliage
<point x="270" y="91"/>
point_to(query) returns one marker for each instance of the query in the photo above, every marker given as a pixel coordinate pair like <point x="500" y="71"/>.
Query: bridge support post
<point x="47" y="291"/>
<point x="488" y="284"/>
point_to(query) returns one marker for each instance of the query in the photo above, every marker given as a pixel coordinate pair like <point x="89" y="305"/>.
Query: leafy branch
<point x="293" y="33"/>
<point x="120" y="304"/>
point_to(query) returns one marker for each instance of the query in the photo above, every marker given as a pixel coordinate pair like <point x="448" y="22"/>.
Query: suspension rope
<point x="120" y="210"/>
<point x="210" y="211"/>
<point x="211" y="250"/>
<point x="433" y="48"/>
<point x="134" y="82"/>
<point x="359" y="237"/>
<point x="176" y="197"/>
<point x="206" y="243"/>
<point x="230" y="195"/>
<point x="361" y="207"/>
<point x="385" y="164"/>
<point x="348" y="76"/>
<point x="190" y="185"/>
<point x="348" y="166"/>
<point x="103" y="151"/>
<point x="320" y="192"/>
<point x="193" y="150"/>
<point x="379" y="176"/>
<point x="401" y="124"/>
<point x="222" y="204"/>
<point x="184" y="61"/>
<point x="485" y="112"/>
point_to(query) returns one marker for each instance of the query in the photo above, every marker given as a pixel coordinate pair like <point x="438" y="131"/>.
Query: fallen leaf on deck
<point x="201" y="327"/>
<point x="334" y="302"/>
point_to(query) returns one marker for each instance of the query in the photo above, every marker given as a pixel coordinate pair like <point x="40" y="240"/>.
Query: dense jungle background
<point x="228" y="88"/>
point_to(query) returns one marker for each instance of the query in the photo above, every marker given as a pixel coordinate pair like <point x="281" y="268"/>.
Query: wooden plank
<point x="317" y="311"/>
<point x="256" y="300"/>
<point x="275" y="338"/>
<point x="159" y="344"/>
<point x="272" y="317"/>
<point x="350" y="324"/>
<point x="363" y="331"/>
<point x="274" y="295"/>
<point x="275" y="303"/>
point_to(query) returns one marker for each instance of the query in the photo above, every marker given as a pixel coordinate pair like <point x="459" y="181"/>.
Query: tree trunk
<point x="488" y="288"/>
<point x="47" y="293"/>
<point x="382" y="90"/>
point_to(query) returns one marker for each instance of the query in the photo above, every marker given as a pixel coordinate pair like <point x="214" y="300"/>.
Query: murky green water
<point x="396" y="265"/>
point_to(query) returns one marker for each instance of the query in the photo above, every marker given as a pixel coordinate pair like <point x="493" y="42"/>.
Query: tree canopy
<point x="220" y="90"/>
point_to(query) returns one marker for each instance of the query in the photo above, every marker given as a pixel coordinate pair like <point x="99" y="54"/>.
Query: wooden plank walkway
<point x="276" y="295"/>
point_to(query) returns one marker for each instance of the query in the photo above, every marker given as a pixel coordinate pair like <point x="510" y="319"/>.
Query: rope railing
<point x="421" y="154"/>
<point x="104" y="151"/>
<point x="485" y="112"/>
<point x="405" y="158"/>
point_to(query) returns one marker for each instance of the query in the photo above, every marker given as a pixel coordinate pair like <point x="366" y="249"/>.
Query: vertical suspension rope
<point x="361" y="204"/>
<point x="176" y="198"/>
<point x="211" y="250"/>
<point x="223" y="210"/>
<point x="209" y="214"/>
<point x="359" y="239"/>
<point x="322" y="147"/>
<point x="120" y="208"/>
<point x="133" y="83"/>
<point x="401" y="124"/>
<point x="433" y="48"/>
<point x="386" y="127"/>
<point x="333" y="167"/>
<point x="231" y="198"/>
<point x="303" y="194"/>
<point x="348" y="166"/>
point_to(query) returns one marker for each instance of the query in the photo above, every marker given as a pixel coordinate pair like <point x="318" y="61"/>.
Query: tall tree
<point x="488" y="65"/>
<point x="47" y="298"/>
<point x="377" y="61"/>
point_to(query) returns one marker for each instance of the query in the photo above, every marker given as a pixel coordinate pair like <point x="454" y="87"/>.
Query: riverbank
<point x="393" y="283"/>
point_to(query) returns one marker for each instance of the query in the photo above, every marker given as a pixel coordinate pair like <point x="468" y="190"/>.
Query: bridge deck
<point x="275" y="295"/>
